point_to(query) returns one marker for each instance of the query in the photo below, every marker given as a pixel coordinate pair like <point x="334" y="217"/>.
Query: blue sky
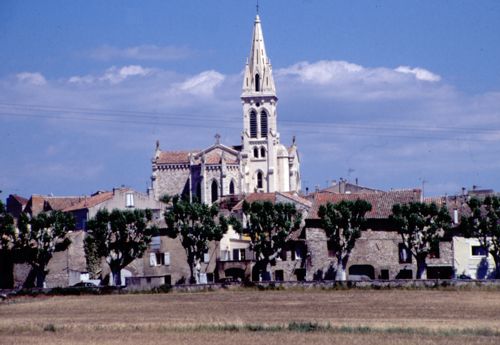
<point x="390" y="92"/>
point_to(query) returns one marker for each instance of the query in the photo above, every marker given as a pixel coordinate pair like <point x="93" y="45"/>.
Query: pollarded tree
<point x="268" y="225"/>
<point x="38" y="238"/>
<point x="120" y="237"/>
<point x="195" y="224"/>
<point x="484" y="224"/>
<point x="7" y="236"/>
<point x="343" y="223"/>
<point x="421" y="227"/>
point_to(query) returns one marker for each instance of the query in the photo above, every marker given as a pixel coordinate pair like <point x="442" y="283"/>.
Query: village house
<point x="379" y="252"/>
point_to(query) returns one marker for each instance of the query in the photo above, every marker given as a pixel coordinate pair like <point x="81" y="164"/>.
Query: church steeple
<point x="258" y="70"/>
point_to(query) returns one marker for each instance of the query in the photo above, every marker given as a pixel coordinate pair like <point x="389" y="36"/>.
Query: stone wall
<point x="378" y="249"/>
<point x="170" y="180"/>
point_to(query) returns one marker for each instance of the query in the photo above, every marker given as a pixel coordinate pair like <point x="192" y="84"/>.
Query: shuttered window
<point x="253" y="124"/>
<point x="263" y="124"/>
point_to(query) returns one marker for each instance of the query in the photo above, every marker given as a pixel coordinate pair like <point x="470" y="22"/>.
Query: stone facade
<point x="376" y="255"/>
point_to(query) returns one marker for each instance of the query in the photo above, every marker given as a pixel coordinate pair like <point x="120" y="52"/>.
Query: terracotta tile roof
<point x="43" y="203"/>
<point x="91" y="201"/>
<point x="20" y="199"/>
<point x="381" y="202"/>
<point x="272" y="197"/>
<point x="174" y="157"/>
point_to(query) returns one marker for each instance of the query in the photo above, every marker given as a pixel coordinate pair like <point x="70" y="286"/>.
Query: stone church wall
<point x="171" y="181"/>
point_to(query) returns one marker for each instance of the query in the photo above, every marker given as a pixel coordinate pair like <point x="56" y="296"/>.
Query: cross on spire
<point x="257" y="6"/>
<point x="217" y="138"/>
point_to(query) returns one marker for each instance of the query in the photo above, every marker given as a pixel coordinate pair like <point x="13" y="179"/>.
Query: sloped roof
<point x="381" y="202"/>
<point x="174" y="157"/>
<point x="40" y="203"/>
<point x="272" y="197"/>
<point x="91" y="201"/>
<point x="19" y="199"/>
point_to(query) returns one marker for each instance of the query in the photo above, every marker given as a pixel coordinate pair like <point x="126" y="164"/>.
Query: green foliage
<point x="343" y="223"/>
<point x="483" y="223"/>
<point x="7" y="229"/>
<point x="421" y="227"/>
<point x="195" y="224"/>
<point x="37" y="238"/>
<point x="119" y="236"/>
<point x="268" y="225"/>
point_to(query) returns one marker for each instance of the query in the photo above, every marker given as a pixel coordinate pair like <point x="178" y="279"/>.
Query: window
<point x="159" y="259"/>
<point x="257" y="82"/>
<point x="283" y="255"/>
<point x="434" y="252"/>
<point x="215" y="191"/>
<point x="404" y="254"/>
<point x="130" y="200"/>
<point x="155" y="243"/>
<point x="279" y="275"/>
<point x="253" y="124"/>
<point x="384" y="274"/>
<point x="256" y="152"/>
<point x="331" y="250"/>
<point x="259" y="180"/>
<point x="405" y="274"/>
<point x="478" y="251"/>
<point x="297" y="253"/>
<point x="238" y="254"/>
<point x="262" y="152"/>
<point x="206" y="257"/>
<point x="263" y="124"/>
<point x="198" y="191"/>
<point x="231" y="188"/>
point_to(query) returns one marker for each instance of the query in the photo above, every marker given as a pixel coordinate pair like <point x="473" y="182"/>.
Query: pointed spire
<point x="258" y="71"/>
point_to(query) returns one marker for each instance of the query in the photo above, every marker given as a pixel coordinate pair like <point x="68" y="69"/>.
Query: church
<point x="260" y="164"/>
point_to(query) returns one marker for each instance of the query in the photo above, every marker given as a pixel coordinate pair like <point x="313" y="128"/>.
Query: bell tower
<point x="260" y="133"/>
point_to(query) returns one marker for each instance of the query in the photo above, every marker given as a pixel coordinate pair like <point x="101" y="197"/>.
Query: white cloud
<point x="420" y="73"/>
<point x="116" y="75"/>
<point x="142" y="52"/>
<point x="202" y="84"/>
<point x="31" y="78"/>
<point x="321" y="72"/>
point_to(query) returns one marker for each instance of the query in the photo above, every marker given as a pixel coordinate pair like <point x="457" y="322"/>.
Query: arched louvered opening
<point x="253" y="124"/>
<point x="231" y="188"/>
<point x="256" y="152"/>
<point x="260" y="182"/>
<point x="262" y="152"/>
<point x="215" y="191"/>
<point x="263" y="124"/>
<point x="257" y="82"/>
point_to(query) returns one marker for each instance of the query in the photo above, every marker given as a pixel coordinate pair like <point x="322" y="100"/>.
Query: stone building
<point x="379" y="252"/>
<point x="261" y="163"/>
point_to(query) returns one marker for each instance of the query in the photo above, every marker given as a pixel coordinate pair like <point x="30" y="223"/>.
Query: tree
<point x="120" y="237"/>
<point x="37" y="239"/>
<point x="342" y="223"/>
<point x="421" y="227"/>
<point x="483" y="223"/>
<point x="268" y="225"/>
<point x="7" y="236"/>
<point x="195" y="224"/>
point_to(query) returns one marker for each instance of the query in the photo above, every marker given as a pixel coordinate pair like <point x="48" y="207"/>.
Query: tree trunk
<point x="421" y="267"/>
<point x="340" y="275"/>
<point x="116" y="273"/>
<point x="496" y="258"/>
<point x="41" y="273"/>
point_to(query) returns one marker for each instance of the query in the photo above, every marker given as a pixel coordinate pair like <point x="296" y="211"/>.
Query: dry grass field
<point x="250" y="317"/>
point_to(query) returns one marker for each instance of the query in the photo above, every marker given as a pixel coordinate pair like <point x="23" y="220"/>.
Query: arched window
<point x="257" y="82"/>
<point x="256" y="152"/>
<point x="253" y="124"/>
<point x="231" y="187"/>
<point x="262" y="152"/>
<point x="215" y="191"/>
<point x="263" y="124"/>
<point x="259" y="180"/>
